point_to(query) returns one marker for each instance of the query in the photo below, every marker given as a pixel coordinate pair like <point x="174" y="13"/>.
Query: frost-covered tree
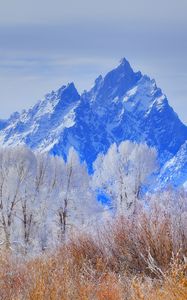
<point x="42" y="197"/>
<point x="77" y="204"/>
<point x="46" y="187"/>
<point x="122" y="172"/>
<point x="16" y="170"/>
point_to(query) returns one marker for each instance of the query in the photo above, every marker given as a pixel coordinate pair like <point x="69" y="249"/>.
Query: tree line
<point x="43" y="198"/>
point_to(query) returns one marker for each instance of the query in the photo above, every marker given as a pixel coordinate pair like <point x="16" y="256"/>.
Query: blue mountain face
<point x="174" y="171"/>
<point x="122" y="105"/>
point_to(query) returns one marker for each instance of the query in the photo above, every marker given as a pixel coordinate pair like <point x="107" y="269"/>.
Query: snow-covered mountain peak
<point x="49" y="117"/>
<point x="68" y="93"/>
<point x="56" y="100"/>
<point x="122" y="105"/>
<point x="124" y="66"/>
<point x="114" y="84"/>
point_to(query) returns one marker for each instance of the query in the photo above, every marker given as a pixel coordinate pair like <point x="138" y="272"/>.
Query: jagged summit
<point x="124" y="61"/>
<point x="124" y="65"/>
<point x="115" y="83"/>
<point x="121" y="105"/>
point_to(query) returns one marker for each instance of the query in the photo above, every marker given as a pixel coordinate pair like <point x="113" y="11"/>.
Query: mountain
<point x="122" y="105"/>
<point x="174" y="172"/>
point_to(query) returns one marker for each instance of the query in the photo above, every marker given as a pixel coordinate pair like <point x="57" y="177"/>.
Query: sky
<point x="45" y="44"/>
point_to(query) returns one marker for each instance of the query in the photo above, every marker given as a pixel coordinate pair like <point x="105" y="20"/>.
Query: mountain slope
<point x="174" y="172"/>
<point x="41" y="126"/>
<point x="122" y="105"/>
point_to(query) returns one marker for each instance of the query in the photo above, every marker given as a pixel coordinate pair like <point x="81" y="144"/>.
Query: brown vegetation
<point x="137" y="258"/>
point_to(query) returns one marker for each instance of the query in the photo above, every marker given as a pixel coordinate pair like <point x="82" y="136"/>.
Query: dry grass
<point x="130" y="259"/>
